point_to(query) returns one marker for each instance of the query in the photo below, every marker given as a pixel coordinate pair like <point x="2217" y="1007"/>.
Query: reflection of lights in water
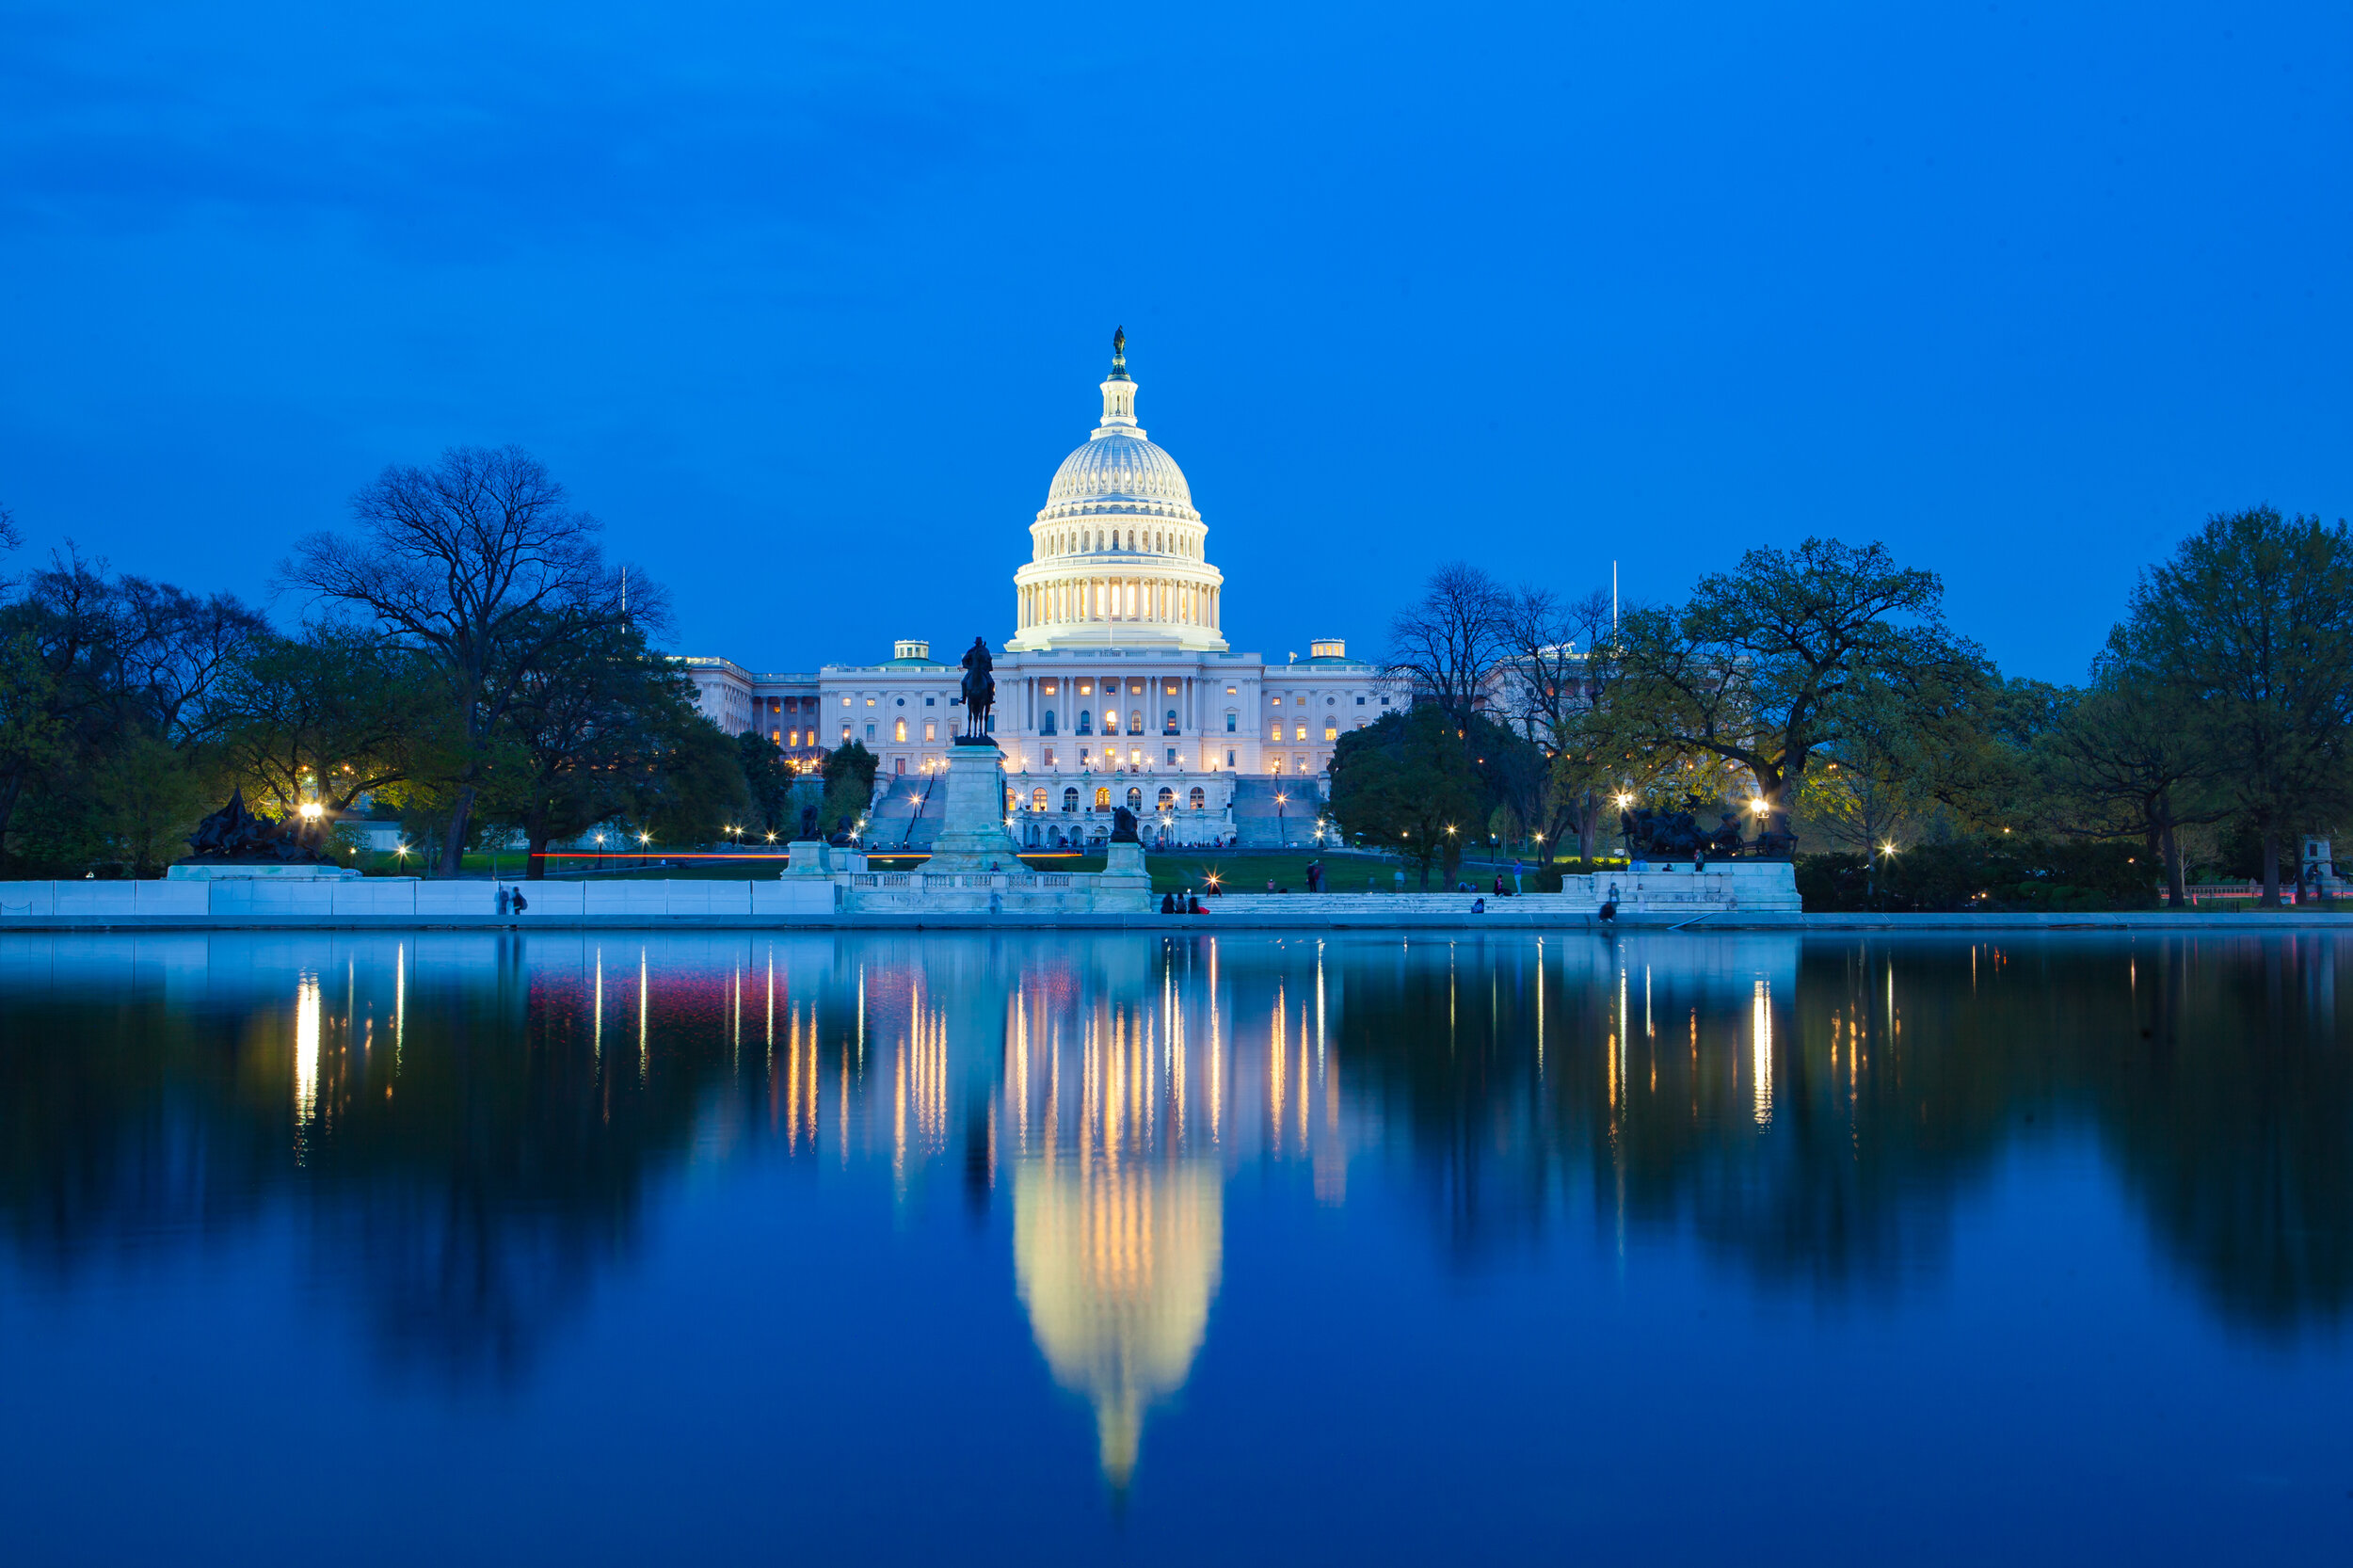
<point x="1761" y="1033"/>
<point x="921" y="1089"/>
<point x="400" y="1002"/>
<point x="1117" y="1265"/>
<point x="306" y="1063"/>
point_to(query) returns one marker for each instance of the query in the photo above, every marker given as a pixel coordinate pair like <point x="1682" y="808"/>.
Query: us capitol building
<point x="1115" y="689"/>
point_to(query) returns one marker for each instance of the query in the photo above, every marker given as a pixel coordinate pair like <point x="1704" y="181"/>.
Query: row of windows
<point x="1073" y="541"/>
<point x="899" y="730"/>
<point x="1046" y="722"/>
<point x="1166" y="801"/>
<point x="1110" y="684"/>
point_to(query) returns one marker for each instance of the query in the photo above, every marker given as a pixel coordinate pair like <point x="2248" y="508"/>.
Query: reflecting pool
<point x="590" y="1248"/>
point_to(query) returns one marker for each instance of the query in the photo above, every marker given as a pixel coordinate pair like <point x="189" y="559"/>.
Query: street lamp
<point x="1281" y="834"/>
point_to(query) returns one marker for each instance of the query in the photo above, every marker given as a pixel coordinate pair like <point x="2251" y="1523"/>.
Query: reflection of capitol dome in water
<point x="1117" y="1264"/>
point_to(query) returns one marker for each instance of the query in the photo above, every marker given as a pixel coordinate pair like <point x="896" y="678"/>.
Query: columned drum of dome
<point x="1118" y="557"/>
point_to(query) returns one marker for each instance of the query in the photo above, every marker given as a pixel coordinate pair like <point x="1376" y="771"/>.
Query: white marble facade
<point x="1116" y="688"/>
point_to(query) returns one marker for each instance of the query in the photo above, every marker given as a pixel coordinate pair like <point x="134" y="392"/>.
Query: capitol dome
<point x="1117" y="553"/>
<point x="1119" y="472"/>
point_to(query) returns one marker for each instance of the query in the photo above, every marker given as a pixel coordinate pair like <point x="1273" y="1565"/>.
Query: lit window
<point x="845" y="702"/>
<point x="1229" y="690"/>
<point x="1102" y="798"/>
<point x="899" y="765"/>
<point x="1274" y="732"/>
<point x="1303" y="733"/>
<point x="1037" y="799"/>
<point x="869" y="702"/>
<point x="931" y="732"/>
<point x="1330" y="731"/>
<point x="845" y="734"/>
<point x="899" y="731"/>
<point x="1135" y="721"/>
<point x="1200" y="798"/>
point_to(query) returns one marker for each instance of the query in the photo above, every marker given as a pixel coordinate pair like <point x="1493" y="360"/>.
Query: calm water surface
<point x="1052" y="1248"/>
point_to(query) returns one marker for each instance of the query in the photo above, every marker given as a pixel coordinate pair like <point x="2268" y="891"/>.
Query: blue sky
<point x="808" y="303"/>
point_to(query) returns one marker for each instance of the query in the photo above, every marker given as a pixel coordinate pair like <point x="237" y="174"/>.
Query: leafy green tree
<point x="769" y="780"/>
<point x="1408" y="784"/>
<point x="2249" y="630"/>
<point x="2126" y="759"/>
<point x="849" y="774"/>
<point x="1782" y="657"/>
<point x="101" y="670"/>
<point x="698" y="789"/>
<point x="332" y="713"/>
<point x="601" y="725"/>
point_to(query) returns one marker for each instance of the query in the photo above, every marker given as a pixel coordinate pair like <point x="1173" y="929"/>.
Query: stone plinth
<point x="809" y="858"/>
<point x="972" y="836"/>
<point x="1122" y="879"/>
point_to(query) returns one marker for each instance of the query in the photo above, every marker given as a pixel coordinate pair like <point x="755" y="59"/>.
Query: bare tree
<point x="1547" y="645"/>
<point x="481" y="563"/>
<point x="1449" y="644"/>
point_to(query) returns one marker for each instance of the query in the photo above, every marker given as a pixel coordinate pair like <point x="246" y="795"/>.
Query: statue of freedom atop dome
<point x="980" y="690"/>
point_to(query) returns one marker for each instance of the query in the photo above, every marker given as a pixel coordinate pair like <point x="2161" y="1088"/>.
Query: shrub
<point x="2054" y="876"/>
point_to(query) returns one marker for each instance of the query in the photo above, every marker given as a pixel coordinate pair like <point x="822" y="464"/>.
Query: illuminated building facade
<point x="1116" y="688"/>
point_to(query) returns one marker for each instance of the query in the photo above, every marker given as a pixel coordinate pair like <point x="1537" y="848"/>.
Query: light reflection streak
<point x="305" y="1062"/>
<point x="1761" y="1033"/>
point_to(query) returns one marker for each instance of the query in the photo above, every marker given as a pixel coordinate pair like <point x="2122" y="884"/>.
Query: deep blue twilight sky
<point x="807" y="303"/>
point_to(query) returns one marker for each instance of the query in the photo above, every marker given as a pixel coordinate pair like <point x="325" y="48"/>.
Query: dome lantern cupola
<point x="1119" y="392"/>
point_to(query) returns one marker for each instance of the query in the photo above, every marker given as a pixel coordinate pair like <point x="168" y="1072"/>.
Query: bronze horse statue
<point x="980" y="690"/>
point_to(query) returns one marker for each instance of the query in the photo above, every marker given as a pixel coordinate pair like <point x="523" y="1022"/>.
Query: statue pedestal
<point x="1122" y="881"/>
<point x="809" y="858"/>
<point x="972" y="836"/>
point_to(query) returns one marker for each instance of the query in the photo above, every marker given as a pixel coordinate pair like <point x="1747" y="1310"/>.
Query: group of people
<point x="1187" y="902"/>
